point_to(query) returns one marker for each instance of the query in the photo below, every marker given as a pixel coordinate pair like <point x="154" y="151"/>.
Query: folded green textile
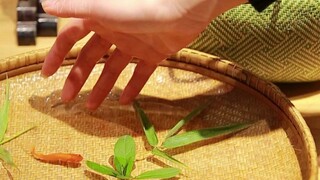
<point x="280" y="44"/>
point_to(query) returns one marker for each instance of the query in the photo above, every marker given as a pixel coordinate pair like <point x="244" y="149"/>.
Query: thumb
<point x="78" y="8"/>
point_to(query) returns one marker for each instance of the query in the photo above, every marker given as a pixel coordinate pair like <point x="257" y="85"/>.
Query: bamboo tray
<point x="278" y="145"/>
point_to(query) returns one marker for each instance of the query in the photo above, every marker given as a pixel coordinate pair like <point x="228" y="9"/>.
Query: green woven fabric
<point x="280" y="44"/>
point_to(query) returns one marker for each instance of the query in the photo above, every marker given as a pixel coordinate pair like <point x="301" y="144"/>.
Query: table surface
<point x="305" y="96"/>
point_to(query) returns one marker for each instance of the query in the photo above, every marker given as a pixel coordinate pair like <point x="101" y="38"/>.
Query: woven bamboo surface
<point x="277" y="146"/>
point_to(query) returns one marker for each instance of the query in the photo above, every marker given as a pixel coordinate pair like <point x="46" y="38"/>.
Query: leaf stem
<point x="149" y="154"/>
<point x="16" y="135"/>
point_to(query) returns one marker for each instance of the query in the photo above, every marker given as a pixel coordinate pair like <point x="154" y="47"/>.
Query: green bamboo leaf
<point x="166" y="156"/>
<point x="16" y="135"/>
<point x="102" y="169"/>
<point x="6" y="156"/>
<point x="162" y="173"/>
<point x="4" y="113"/>
<point x="186" y="119"/>
<point x="124" y="155"/>
<point x="146" y="124"/>
<point x="119" y="168"/>
<point x="199" y="135"/>
<point x="124" y="177"/>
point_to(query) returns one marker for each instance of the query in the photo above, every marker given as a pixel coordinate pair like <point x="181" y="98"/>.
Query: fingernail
<point x="124" y="100"/>
<point x="91" y="107"/>
<point x="65" y="98"/>
<point x="43" y="75"/>
<point x="47" y="3"/>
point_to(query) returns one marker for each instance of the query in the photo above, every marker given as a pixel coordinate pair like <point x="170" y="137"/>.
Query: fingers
<point x="139" y="78"/>
<point x="94" y="49"/>
<point x="112" y="69"/>
<point x="72" y="33"/>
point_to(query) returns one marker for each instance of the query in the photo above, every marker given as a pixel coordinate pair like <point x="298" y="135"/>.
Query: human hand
<point x="149" y="30"/>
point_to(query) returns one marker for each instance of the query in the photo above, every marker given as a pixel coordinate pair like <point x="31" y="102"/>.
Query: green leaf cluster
<point x="174" y="140"/>
<point x="124" y="150"/>
<point x="124" y="158"/>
